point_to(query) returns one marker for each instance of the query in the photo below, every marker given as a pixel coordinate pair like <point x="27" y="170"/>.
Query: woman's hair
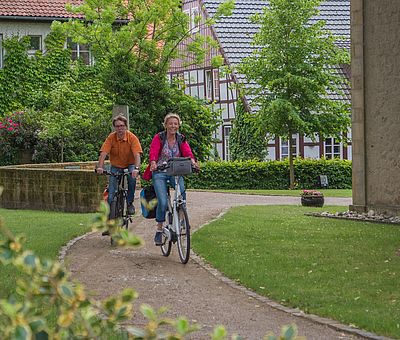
<point x="172" y="115"/>
<point x="120" y="118"/>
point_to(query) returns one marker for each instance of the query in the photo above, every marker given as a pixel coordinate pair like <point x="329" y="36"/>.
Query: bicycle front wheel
<point x="117" y="209"/>
<point x="183" y="235"/>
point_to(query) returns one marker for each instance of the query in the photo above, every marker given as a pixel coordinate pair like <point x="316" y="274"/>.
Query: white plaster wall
<point x="22" y="28"/>
<point x="224" y="112"/>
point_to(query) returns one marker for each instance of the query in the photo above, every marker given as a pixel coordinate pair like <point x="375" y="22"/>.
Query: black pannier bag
<point x="148" y="202"/>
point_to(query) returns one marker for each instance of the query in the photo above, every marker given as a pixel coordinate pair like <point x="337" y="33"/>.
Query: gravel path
<point x="193" y="290"/>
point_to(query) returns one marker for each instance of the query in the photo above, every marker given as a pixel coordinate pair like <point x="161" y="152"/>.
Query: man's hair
<point x="120" y="118"/>
<point x="172" y="115"/>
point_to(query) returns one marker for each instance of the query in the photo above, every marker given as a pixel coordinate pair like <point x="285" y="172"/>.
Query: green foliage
<point x="64" y="103"/>
<point x="292" y="67"/>
<point x="73" y="101"/>
<point x="245" y="140"/>
<point x="271" y="175"/>
<point x="17" y="75"/>
<point x="44" y="287"/>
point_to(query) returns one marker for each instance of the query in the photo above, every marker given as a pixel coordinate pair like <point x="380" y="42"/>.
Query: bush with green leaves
<point x="18" y="131"/>
<point x="45" y="287"/>
<point x="272" y="174"/>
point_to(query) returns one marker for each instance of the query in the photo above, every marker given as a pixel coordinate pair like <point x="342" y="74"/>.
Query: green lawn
<point x="46" y="232"/>
<point x="341" y="269"/>
<point x="297" y="192"/>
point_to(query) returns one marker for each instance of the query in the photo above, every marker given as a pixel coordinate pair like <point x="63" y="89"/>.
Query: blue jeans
<point x="113" y="183"/>
<point x="160" y="183"/>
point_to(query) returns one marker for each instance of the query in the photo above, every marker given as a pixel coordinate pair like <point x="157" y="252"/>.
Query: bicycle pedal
<point x="167" y="233"/>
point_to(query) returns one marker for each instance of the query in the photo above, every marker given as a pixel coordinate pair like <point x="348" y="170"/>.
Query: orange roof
<point x="37" y="8"/>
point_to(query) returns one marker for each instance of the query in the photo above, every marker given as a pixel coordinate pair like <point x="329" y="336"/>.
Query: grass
<point x="344" y="270"/>
<point x="46" y="232"/>
<point x="297" y="192"/>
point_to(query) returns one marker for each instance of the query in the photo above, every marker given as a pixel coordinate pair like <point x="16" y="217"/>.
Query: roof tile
<point x="37" y="8"/>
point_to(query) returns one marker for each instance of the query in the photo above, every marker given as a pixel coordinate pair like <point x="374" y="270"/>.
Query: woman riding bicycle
<point x="165" y="145"/>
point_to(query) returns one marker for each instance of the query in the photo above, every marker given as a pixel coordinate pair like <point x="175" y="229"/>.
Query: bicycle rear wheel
<point x="183" y="235"/>
<point x="166" y="244"/>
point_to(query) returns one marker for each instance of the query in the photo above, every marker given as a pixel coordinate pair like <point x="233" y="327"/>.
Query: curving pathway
<point x="194" y="290"/>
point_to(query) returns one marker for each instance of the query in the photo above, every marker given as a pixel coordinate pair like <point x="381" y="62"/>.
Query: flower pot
<point x="312" y="201"/>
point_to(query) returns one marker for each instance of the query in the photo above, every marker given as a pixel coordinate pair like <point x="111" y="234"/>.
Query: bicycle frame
<point x="177" y="201"/>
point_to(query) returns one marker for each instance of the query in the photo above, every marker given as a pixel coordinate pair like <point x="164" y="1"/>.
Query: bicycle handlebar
<point x="109" y="173"/>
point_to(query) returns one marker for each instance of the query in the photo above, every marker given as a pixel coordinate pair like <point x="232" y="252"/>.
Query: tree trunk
<point x="291" y="166"/>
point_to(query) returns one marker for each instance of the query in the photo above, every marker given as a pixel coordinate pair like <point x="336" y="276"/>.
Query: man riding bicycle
<point x="124" y="150"/>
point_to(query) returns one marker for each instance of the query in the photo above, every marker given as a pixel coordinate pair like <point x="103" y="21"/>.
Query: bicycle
<point x="119" y="203"/>
<point x="177" y="228"/>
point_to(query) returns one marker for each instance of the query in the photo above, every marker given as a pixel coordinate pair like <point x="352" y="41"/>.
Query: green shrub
<point x="271" y="175"/>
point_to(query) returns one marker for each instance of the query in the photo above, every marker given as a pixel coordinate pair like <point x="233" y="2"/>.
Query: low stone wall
<point x="70" y="187"/>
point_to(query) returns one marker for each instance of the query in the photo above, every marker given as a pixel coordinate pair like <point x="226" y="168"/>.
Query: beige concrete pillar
<point x="376" y="105"/>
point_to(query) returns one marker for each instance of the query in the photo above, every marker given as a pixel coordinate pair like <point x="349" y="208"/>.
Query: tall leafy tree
<point x="135" y="41"/>
<point x="293" y="67"/>
<point x="245" y="140"/>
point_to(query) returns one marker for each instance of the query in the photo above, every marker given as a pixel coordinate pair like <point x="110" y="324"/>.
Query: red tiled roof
<point x="37" y="8"/>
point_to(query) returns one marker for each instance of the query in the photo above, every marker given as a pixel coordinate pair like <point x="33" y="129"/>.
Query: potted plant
<point x="312" y="198"/>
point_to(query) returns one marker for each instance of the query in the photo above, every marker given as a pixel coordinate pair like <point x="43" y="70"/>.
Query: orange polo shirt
<point x="121" y="151"/>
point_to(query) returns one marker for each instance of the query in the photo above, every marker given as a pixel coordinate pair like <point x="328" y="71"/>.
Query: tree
<point x="135" y="41"/>
<point x="245" y="140"/>
<point x="293" y="67"/>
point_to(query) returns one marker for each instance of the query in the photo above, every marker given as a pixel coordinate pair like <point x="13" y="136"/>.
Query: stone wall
<point x="70" y="187"/>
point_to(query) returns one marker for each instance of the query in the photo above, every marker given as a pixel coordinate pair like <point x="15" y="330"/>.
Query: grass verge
<point x="46" y="232"/>
<point x="344" y="270"/>
<point x="326" y="192"/>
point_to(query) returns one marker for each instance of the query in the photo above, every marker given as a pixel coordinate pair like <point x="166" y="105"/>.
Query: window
<point x="193" y="14"/>
<point x="216" y="84"/>
<point x="285" y="148"/>
<point x="35" y="44"/>
<point x="227" y="131"/>
<point x="194" y="20"/>
<point x="332" y="148"/>
<point x="209" y="85"/>
<point x="80" y="51"/>
<point x="178" y="79"/>
<point x="1" y="50"/>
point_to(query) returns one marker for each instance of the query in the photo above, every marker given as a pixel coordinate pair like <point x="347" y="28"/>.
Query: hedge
<point x="271" y="174"/>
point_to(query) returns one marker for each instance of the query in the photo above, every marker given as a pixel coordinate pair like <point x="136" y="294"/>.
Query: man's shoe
<point x="131" y="209"/>
<point x="105" y="233"/>
<point x="158" y="238"/>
